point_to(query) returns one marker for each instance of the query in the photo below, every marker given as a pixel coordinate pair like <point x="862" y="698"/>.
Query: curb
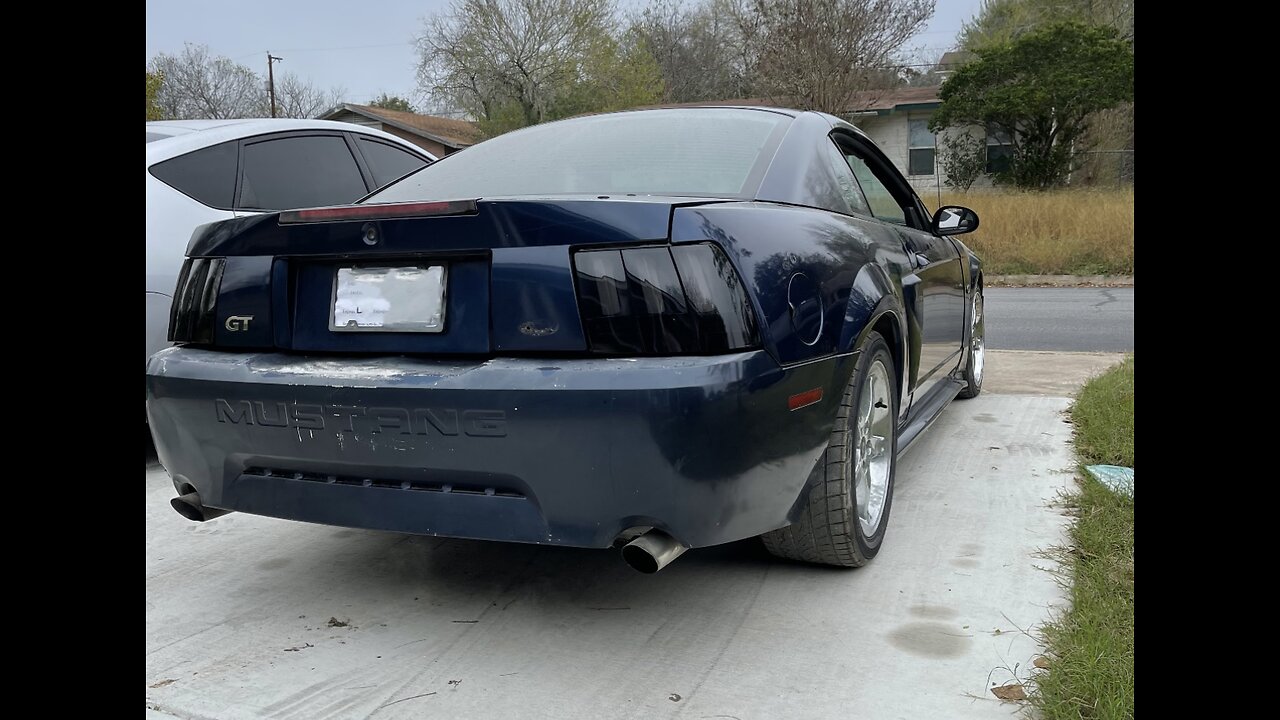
<point x="1059" y="280"/>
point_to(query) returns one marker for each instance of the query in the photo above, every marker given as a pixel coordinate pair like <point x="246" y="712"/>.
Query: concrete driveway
<point x="251" y="617"/>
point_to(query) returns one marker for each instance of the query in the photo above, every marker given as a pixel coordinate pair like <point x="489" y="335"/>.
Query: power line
<point x="412" y="43"/>
<point x="330" y="49"/>
<point x="347" y="47"/>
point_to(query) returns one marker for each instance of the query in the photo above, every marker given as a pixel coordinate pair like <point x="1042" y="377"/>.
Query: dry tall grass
<point x="1067" y="232"/>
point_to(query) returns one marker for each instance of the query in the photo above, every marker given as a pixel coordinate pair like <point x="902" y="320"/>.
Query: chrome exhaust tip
<point x="652" y="551"/>
<point x="190" y="507"/>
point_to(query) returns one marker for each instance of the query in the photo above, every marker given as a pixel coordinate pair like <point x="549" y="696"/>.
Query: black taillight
<point x="685" y="299"/>
<point x="191" y="316"/>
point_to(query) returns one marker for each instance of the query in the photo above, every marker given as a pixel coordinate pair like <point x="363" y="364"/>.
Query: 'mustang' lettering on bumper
<point x="354" y="419"/>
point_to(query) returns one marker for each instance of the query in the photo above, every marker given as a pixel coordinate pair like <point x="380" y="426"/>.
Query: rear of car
<point x="533" y="340"/>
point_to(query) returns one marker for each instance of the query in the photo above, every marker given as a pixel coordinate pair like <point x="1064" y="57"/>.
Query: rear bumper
<point x="568" y="452"/>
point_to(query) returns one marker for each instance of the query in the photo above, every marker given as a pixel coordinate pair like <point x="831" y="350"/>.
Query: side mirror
<point x="954" y="220"/>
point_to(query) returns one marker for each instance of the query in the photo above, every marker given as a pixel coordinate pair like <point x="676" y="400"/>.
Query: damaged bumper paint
<point x="568" y="452"/>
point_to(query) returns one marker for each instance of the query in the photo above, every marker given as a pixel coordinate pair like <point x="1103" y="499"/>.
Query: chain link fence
<point x="1094" y="169"/>
<point x="1104" y="168"/>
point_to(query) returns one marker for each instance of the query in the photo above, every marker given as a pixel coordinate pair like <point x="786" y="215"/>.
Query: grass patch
<point x="1064" y="232"/>
<point x="1103" y="418"/>
<point x="1090" y="671"/>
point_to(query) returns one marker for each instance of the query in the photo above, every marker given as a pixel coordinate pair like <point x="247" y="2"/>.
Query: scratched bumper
<point x="567" y="452"/>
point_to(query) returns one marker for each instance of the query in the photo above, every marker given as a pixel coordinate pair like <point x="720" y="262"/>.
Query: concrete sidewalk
<point x="251" y="617"/>
<point x="1039" y="372"/>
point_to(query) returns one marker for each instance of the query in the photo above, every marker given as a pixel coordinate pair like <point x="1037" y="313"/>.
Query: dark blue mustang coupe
<point x="666" y="328"/>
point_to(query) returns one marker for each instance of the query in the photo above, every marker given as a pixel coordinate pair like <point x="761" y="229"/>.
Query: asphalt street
<point x="252" y="617"/>
<point x="1073" y="319"/>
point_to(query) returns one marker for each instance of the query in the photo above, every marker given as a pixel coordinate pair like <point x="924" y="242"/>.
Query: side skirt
<point x="925" y="411"/>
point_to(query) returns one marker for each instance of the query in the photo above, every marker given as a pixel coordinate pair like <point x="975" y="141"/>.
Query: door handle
<point x="916" y="248"/>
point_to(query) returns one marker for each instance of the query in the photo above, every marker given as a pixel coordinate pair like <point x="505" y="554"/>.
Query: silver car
<point x="202" y="171"/>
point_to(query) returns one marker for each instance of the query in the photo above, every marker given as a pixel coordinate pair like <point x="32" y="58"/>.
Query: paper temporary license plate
<point x="404" y="298"/>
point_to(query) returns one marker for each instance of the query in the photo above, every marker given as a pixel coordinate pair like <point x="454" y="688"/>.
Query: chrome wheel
<point x="978" y="340"/>
<point x="872" y="459"/>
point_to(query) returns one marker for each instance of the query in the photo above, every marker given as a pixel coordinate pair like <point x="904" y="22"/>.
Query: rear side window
<point x="850" y="192"/>
<point x="208" y="174"/>
<point x="882" y="203"/>
<point x="388" y="162"/>
<point x="297" y="172"/>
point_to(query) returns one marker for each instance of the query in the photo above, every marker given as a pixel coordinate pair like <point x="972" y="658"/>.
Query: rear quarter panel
<point x="855" y="264"/>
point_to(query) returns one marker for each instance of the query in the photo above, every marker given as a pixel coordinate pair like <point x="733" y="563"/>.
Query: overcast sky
<point x="365" y="48"/>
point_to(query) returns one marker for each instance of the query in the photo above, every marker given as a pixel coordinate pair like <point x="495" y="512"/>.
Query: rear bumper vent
<point x="194" y="301"/>
<point x="360" y="481"/>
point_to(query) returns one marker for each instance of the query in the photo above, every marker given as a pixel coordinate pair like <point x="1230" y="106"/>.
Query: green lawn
<point x="1090" y="671"/>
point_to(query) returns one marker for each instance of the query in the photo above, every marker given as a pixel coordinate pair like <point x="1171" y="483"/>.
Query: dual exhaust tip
<point x="648" y="553"/>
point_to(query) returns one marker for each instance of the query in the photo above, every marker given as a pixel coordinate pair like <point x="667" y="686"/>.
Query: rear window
<point x="208" y="174"/>
<point x="717" y="152"/>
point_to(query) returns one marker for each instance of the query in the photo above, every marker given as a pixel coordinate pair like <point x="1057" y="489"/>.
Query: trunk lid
<point x="508" y="278"/>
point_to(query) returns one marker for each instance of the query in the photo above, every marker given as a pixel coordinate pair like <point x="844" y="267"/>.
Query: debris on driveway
<point x="1013" y="692"/>
<point x="1118" y="480"/>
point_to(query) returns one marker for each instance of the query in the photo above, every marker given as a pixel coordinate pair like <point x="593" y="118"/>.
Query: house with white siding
<point x="897" y="119"/>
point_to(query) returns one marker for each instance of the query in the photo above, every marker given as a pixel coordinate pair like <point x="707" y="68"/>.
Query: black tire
<point x="973" y="371"/>
<point x="828" y="531"/>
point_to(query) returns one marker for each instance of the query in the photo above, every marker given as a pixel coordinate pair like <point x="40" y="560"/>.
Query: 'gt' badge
<point x="238" y="323"/>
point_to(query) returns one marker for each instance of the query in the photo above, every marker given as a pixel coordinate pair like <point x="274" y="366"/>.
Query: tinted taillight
<point x="685" y="299"/>
<point x="191" y="316"/>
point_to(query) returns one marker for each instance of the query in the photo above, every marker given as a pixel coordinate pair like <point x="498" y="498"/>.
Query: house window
<point x="920" y="147"/>
<point x="999" y="151"/>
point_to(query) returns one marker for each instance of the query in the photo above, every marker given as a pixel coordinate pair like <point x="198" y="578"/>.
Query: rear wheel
<point x="845" y="520"/>
<point x="977" y="350"/>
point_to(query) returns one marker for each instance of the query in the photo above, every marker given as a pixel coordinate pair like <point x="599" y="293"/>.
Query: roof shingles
<point x="457" y="133"/>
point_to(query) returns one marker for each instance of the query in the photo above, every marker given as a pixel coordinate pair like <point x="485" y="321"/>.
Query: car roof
<point x="720" y="106"/>
<point x="188" y="135"/>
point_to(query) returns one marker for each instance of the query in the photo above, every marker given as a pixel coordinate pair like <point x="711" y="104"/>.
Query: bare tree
<point x="198" y="84"/>
<point x="493" y="56"/>
<point x="821" y="54"/>
<point x="298" y="98"/>
<point x="747" y="30"/>
<point x="702" y="50"/>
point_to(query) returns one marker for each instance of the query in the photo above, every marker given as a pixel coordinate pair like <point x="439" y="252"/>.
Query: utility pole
<point x="271" y="80"/>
